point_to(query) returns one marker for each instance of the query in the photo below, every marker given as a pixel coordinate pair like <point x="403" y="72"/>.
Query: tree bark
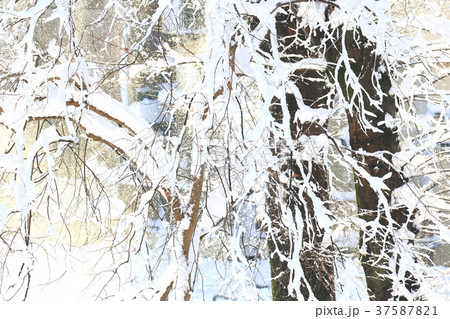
<point x="316" y="262"/>
<point x="373" y="148"/>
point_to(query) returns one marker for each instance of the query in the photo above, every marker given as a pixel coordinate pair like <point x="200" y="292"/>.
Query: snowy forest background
<point x="224" y="150"/>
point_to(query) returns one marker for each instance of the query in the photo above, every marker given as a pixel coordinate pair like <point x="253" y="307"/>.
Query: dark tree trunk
<point x="316" y="262"/>
<point x="376" y="245"/>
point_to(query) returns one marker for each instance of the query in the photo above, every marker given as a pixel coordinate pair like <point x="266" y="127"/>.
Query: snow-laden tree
<point x="81" y="171"/>
<point x="156" y="148"/>
<point x="374" y="82"/>
<point x="371" y="72"/>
